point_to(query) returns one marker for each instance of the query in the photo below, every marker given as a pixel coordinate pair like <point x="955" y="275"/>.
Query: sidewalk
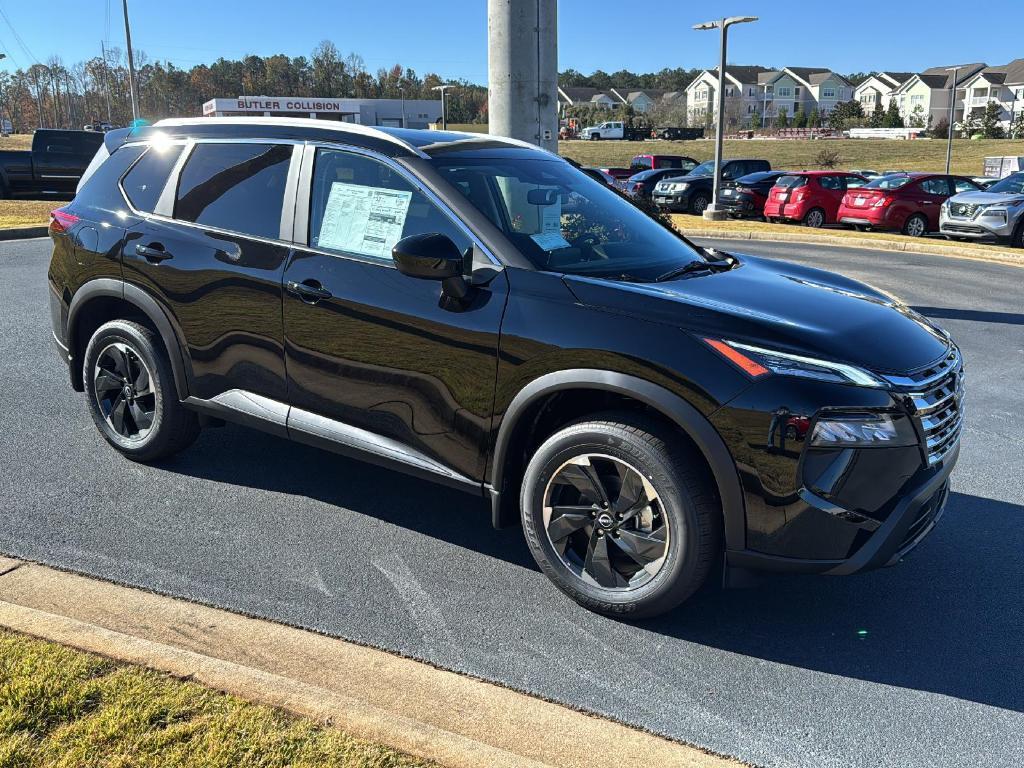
<point x="408" y="705"/>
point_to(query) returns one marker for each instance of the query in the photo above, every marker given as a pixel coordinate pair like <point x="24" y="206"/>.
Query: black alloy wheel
<point x="123" y="388"/>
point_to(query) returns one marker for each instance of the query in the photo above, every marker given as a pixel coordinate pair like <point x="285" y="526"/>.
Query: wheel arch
<point x="668" y="405"/>
<point x="104" y="299"/>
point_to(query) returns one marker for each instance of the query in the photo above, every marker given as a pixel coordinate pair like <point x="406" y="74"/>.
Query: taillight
<point x="62" y="220"/>
<point x="882" y="202"/>
<point x="799" y="194"/>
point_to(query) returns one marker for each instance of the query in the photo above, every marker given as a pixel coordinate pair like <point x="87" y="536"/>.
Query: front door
<point x="377" y="359"/>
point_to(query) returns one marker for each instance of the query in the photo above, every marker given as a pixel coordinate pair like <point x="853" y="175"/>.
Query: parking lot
<point x="918" y="665"/>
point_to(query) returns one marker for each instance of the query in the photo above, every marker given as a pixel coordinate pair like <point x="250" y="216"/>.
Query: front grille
<point x="965" y="228"/>
<point x="936" y="396"/>
<point x="963" y="210"/>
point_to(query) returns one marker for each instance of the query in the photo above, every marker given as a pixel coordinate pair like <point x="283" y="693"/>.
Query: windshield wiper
<point x="697" y="265"/>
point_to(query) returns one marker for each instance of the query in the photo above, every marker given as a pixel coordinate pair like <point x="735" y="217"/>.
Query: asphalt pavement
<point x="917" y="665"/>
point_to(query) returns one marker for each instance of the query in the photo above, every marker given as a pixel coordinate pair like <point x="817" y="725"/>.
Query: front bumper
<point x="977" y="227"/>
<point x="677" y="201"/>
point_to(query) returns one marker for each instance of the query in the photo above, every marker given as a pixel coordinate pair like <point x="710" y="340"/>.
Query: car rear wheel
<point x="698" y="204"/>
<point x="1017" y="238"/>
<point x="915" y="226"/>
<point x="619" y="516"/>
<point x="815" y="218"/>
<point x="131" y="393"/>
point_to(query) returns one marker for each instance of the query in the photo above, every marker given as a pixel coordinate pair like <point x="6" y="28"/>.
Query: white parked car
<point x="613" y="129"/>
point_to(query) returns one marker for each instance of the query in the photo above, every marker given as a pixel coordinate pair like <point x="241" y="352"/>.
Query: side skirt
<point x="277" y="418"/>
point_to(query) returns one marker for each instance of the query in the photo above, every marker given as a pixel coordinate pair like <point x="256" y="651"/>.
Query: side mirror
<point x="432" y="256"/>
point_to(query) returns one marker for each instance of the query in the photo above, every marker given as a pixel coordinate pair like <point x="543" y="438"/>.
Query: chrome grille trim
<point x="936" y="395"/>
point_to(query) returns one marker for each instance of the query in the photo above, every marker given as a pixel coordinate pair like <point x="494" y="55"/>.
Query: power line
<point x="17" y="37"/>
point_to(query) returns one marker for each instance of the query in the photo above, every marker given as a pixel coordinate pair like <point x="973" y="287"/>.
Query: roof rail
<point x="296" y="122"/>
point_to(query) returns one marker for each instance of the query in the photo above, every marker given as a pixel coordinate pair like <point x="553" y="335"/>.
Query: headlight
<point x="995" y="213"/>
<point x="680" y="186"/>
<point x="864" y="430"/>
<point x="758" y="361"/>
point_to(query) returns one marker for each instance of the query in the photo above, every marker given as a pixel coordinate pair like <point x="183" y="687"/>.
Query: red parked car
<point x="810" y="197"/>
<point x="907" y="202"/>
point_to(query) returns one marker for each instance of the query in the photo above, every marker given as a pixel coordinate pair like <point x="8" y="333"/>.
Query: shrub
<point x="827" y="158"/>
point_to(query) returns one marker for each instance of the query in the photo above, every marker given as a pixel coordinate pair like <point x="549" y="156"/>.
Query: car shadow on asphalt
<point x="949" y="619"/>
<point x="254" y="459"/>
<point x="981" y="316"/>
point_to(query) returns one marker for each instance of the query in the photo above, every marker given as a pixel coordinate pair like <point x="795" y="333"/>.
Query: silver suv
<point x="997" y="213"/>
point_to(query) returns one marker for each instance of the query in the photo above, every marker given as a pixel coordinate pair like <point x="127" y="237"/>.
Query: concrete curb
<point x="22" y="233"/>
<point x="434" y="714"/>
<point x="908" y="245"/>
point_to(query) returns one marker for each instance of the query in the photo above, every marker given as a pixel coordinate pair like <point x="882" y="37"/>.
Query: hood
<point x="985" y="198"/>
<point x="783" y="306"/>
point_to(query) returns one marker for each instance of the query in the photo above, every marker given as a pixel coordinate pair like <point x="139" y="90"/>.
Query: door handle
<point x="310" y="291"/>
<point x="154" y="253"/>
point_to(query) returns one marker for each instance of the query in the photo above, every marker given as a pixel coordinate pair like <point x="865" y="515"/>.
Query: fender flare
<point x="668" y="404"/>
<point x="142" y="301"/>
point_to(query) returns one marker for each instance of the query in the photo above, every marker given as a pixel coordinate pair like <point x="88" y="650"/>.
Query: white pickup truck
<point x="610" y="130"/>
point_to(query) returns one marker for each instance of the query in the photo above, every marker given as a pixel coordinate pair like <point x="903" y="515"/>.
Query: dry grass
<point x="60" y="707"/>
<point x="876" y="154"/>
<point x="26" y="213"/>
<point x="16" y="141"/>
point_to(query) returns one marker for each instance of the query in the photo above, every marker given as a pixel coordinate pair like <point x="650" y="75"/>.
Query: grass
<point x="26" y="213"/>
<point x="63" y="708"/>
<point x="796" y="154"/>
<point x="16" y="141"/>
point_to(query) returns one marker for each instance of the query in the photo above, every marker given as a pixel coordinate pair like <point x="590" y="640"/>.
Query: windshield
<point x="564" y="221"/>
<point x="889" y="182"/>
<point x="704" y="169"/>
<point x="1011" y="185"/>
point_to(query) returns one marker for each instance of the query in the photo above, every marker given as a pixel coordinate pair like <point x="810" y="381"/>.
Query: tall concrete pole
<point x="132" y="86"/>
<point x="522" y="63"/>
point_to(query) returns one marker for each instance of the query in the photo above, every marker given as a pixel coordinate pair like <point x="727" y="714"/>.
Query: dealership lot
<point x="917" y="665"/>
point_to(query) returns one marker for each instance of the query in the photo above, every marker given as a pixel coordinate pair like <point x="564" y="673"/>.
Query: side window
<point x="361" y="206"/>
<point x="831" y="182"/>
<point x="852" y="182"/>
<point x="963" y="185"/>
<point x="936" y="186"/>
<point x="238" y="187"/>
<point x="145" y="181"/>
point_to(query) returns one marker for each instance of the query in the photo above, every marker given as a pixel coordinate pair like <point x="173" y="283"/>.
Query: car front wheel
<point x="620" y="517"/>
<point x="698" y="205"/>
<point x="131" y="393"/>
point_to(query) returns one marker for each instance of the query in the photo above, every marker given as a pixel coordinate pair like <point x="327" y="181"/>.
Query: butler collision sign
<point x="410" y="113"/>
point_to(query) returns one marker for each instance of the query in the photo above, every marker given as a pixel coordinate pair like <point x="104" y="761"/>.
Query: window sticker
<point x="550" y="236"/>
<point x="364" y="220"/>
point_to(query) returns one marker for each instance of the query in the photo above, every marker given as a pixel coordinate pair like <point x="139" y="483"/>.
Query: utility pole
<point x="106" y="82"/>
<point x="522" y="69"/>
<point x="401" y="90"/>
<point x="713" y="211"/>
<point x="131" y="64"/>
<point x="952" y="102"/>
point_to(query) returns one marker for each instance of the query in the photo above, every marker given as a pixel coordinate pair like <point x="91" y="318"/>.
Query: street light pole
<point x="133" y="88"/>
<point x="444" y="103"/>
<point x="952" y="103"/>
<point x="713" y="211"/>
<point x="401" y="90"/>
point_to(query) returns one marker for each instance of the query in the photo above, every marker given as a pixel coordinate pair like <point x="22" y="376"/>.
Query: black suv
<point x="476" y="311"/>
<point x="693" y="192"/>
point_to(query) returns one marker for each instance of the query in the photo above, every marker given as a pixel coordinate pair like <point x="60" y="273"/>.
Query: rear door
<point x="211" y="249"/>
<point x="932" y="192"/>
<point x="61" y="157"/>
<point x="832" y="187"/>
<point x="377" y="360"/>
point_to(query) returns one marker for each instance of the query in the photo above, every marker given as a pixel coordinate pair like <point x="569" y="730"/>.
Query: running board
<point x="264" y="413"/>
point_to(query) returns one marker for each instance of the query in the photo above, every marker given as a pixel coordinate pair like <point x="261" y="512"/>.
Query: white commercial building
<point x="397" y="113"/>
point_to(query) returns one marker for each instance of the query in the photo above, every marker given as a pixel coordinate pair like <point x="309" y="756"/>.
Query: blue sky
<point x="449" y="36"/>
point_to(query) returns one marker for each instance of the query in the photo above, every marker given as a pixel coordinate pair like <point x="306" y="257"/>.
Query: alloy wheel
<point x="699" y="205"/>
<point x="124" y="392"/>
<point x="916" y="226"/>
<point x="815" y="219"/>
<point x="605" y="521"/>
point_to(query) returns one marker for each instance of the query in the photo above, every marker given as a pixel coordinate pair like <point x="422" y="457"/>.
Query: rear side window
<point x="641" y="162"/>
<point x="238" y="187"/>
<point x="145" y="181"/>
<point x="936" y="186"/>
<point x="831" y="182"/>
<point x="100" y="190"/>
<point x="791" y="182"/>
<point x="963" y="185"/>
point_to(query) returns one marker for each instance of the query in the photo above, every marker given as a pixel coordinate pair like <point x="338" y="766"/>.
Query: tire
<point x="915" y="226"/>
<point x="123" y="355"/>
<point x="791" y="433"/>
<point x="595" y="137"/>
<point x="815" y="218"/>
<point x="1017" y="238"/>
<point x="677" y="533"/>
<point x="698" y="204"/>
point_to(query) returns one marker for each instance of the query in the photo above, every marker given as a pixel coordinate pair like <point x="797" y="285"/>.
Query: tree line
<point x="58" y="95"/>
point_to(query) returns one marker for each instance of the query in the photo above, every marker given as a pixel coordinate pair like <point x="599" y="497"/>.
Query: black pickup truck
<point x="52" y="167"/>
